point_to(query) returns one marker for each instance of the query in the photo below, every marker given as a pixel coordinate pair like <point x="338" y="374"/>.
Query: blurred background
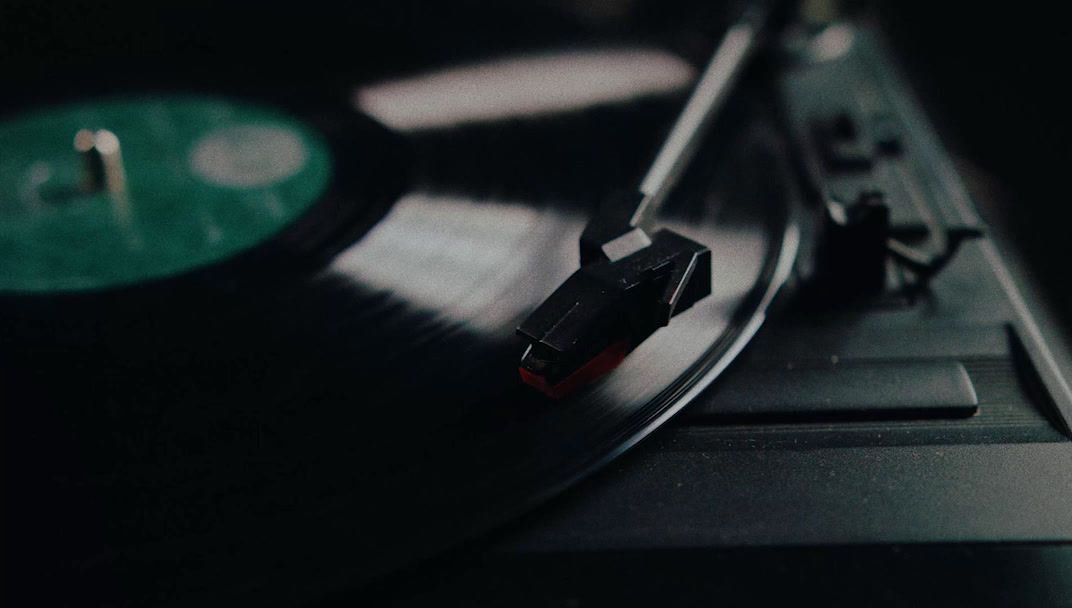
<point x="990" y="74"/>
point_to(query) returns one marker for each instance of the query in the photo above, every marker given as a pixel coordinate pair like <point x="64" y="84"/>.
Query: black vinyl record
<point x="276" y="437"/>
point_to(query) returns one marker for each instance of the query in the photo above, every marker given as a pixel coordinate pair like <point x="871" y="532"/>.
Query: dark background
<point x="990" y="76"/>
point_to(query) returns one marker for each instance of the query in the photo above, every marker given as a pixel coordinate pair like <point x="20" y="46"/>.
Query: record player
<point x="508" y="304"/>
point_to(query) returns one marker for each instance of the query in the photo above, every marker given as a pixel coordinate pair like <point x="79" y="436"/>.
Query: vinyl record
<point x="279" y="439"/>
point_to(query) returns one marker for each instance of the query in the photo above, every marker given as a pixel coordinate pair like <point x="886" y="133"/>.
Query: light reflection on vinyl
<point x="465" y="259"/>
<point x="522" y="86"/>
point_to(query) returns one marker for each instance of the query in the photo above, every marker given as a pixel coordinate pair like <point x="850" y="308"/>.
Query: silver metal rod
<point x="102" y="161"/>
<point x="703" y="105"/>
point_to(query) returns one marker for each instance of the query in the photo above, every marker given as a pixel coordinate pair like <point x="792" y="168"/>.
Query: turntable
<point x="460" y="323"/>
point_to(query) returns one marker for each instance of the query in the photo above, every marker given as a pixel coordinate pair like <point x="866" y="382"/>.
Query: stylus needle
<point x="632" y="279"/>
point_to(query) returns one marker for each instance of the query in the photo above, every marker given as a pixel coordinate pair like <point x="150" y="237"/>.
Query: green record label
<point x="101" y="195"/>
